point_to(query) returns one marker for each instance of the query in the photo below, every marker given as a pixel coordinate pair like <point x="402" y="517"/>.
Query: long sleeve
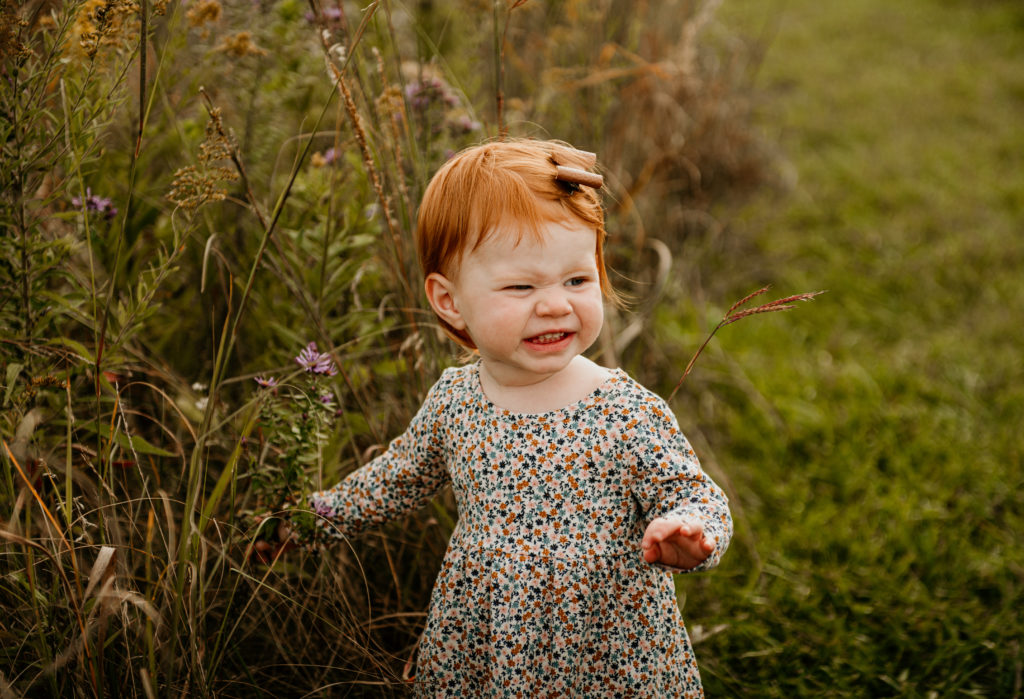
<point x="402" y="479"/>
<point x="666" y="479"/>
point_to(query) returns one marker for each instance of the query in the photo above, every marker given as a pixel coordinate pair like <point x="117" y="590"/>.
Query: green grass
<point x="873" y="441"/>
<point x="868" y="440"/>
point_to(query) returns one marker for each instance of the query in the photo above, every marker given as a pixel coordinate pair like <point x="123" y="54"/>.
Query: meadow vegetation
<point x="182" y="216"/>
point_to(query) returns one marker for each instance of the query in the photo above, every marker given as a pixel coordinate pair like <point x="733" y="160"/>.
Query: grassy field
<point x="878" y="458"/>
<point x="190" y="192"/>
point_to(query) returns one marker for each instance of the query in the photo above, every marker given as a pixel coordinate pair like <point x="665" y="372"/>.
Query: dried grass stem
<point x="733" y="315"/>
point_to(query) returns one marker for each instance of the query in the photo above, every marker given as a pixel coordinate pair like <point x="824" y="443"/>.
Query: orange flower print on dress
<point x="543" y="591"/>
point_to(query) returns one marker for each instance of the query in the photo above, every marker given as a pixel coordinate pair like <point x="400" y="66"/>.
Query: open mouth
<point x="549" y="338"/>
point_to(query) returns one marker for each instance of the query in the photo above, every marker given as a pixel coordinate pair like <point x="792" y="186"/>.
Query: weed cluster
<point x="190" y="192"/>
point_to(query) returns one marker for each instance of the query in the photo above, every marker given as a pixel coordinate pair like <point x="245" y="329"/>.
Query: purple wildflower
<point x="463" y="124"/>
<point x="101" y="205"/>
<point x="423" y="93"/>
<point x="326" y="398"/>
<point x="330" y="155"/>
<point x="330" y="14"/>
<point x="266" y="381"/>
<point x="312" y="360"/>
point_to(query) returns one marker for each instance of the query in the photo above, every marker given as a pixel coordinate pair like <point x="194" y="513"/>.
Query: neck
<point x="573" y="383"/>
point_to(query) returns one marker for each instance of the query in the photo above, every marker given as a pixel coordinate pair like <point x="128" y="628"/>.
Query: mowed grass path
<point x="879" y="482"/>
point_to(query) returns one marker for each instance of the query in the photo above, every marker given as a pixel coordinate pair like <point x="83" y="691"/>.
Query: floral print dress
<point x="543" y="590"/>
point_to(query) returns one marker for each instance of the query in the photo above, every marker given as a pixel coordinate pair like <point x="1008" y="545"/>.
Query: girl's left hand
<point x="677" y="542"/>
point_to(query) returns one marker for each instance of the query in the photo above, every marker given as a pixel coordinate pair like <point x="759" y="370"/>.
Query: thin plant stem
<point x="734" y="314"/>
<point x="499" y="70"/>
<point x="69" y="417"/>
<point x="143" y="31"/>
<point x="499" y="62"/>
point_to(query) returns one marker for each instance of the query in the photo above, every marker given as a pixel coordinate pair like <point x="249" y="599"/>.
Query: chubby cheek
<point x="500" y="323"/>
<point x="591" y="315"/>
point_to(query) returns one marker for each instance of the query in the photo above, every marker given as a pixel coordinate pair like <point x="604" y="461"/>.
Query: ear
<point x="441" y="295"/>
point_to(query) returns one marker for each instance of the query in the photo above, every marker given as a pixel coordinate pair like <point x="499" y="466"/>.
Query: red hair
<point x="486" y="187"/>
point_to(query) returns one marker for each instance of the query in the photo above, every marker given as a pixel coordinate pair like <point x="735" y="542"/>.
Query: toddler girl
<point x="576" y="491"/>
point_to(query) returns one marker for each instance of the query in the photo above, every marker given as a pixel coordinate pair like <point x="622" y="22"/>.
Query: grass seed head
<point x="194" y="186"/>
<point x="240" y="45"/>
<point x="204" y="12"/>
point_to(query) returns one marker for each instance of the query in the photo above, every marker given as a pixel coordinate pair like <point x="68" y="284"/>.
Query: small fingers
<point x="671" y="525"/>
<point x="663" y="527"/>
<point x="679" y="542"/>
<point x="692" y="528"/>
<point x="657" y="532"/>
<point x="651" y="552"/>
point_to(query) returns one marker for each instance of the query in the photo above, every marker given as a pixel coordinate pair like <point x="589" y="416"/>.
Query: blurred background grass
<point x="868" y="441"/>
<point x="879" y="467"/>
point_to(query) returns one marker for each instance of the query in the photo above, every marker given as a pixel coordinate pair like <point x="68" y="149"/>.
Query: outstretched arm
<point x="398" y="481"/>
<point x="688" y="525"/>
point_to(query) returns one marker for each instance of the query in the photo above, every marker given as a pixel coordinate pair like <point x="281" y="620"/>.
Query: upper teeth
<point x="547" y="337"/>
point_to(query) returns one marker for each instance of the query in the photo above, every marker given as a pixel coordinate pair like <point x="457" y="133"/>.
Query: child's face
<point x="530" y="307"/>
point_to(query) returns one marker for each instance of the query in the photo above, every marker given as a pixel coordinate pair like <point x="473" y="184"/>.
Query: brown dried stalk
<point x="499" y="67"/>
<point x="733" y="314"/>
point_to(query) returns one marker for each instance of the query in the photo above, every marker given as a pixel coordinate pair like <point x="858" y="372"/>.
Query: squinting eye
<point x="518" y="287"/>
<point x="577" y="281"/>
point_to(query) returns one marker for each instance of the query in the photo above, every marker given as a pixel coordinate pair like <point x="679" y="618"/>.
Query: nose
<point x="553" y="303"/>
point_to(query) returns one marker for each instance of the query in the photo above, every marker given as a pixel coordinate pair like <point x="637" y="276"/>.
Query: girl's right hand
<point x="269" y="551"/>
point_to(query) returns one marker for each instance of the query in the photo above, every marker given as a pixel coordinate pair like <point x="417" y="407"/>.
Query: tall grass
<point x="182" y="216"/>
<point x="192" y="193"/>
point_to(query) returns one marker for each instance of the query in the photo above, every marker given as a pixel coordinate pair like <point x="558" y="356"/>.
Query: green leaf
<point x="134" y="443"/>
<point x="140" y="445"/>
<point x="75" y="346"/>
<point x="12" y="375"/>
